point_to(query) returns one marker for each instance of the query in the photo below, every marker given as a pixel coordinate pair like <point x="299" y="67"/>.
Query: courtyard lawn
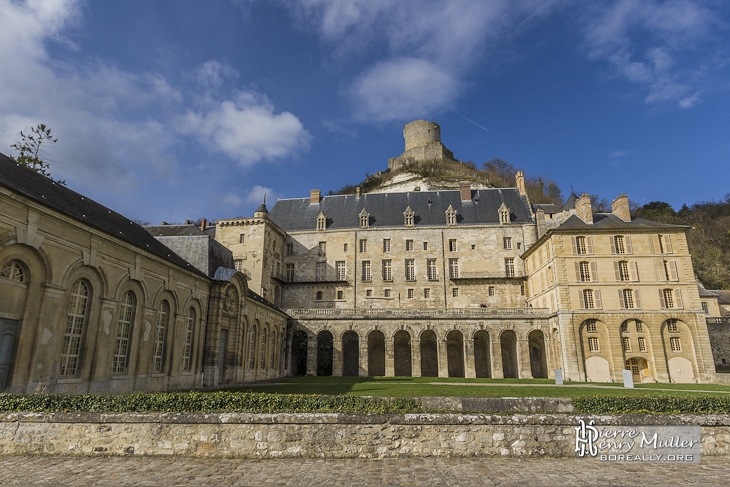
<point x="458" y="387"/>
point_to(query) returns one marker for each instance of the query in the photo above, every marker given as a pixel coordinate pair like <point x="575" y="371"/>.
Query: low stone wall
<point x="320" y="435"/>
<point x="521" y="405"/>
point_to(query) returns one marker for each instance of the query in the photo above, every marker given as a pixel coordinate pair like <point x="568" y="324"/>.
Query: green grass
<point x="457" y="387"/>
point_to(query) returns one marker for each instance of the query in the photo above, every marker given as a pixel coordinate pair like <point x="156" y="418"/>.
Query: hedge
<point x="705" y="404"/>
<point x="205" y="402"/>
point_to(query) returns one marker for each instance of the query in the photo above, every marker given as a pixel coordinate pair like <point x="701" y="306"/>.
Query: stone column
<point x="523" y="359"/>
<point x="470" y="370"/>
<point x="495" y="346"/>
<point x="363" y="356"/>
<point x="443" y="359"/>
<point x="336" y="356"/>
<point x="389" y="357"/>
<point x="311" y="354"/>
<point x="416" y="358"/>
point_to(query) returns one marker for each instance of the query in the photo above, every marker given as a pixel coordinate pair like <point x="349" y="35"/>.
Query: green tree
<point x="30" y="152"/>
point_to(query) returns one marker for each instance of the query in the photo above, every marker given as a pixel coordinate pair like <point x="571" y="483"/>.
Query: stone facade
<point x="322" y="435"/>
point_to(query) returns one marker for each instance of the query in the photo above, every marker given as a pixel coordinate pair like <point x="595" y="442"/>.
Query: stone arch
<point x="299" y="353"/>
<point x="324" y="353"/>
<point x="597" y="369"/>
<point x="36" y="259"/>
<point x="508" y="343"/>
<point x="125" y="282"/>
<point x="639" y="368"/>
<point x="376" y="353"/>
<point x="402" y="353"/>
<point x="429" y="354"/>
<point x="677" y="329"/>
<point x="680" y="370"/>
<point x="482" y="359"/>
<point x="350" y="354"/>
<point x="538" y="358"/>
<point x="455" y="353"/>
<point x="594" y="333"/>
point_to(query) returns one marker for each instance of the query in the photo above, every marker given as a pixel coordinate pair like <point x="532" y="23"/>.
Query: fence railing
<point x="416" y="312"/>
<point x="722" y="320"/>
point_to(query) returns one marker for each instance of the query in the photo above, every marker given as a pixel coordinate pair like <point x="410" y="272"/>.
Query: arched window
<point x="13" y="271"/>
<point x="252" y="349"/>
<point x="263" y="349"/>
<point x="75" y="322"/>
<point x="273" y="350"/>
<point x="124" y="332"/>
<point x="188" y="347"/>
<point x="161" y="330"/>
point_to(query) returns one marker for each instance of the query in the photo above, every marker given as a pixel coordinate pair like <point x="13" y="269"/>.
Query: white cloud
<point x="643" y="40"/>
<point x="231" y="200"/>
<point x="620" y="153"/>
<point x="403" y="88"/>
<point x="255" y="196"/>
<point x="248" y="130"/>
<point x="690" y="101"/>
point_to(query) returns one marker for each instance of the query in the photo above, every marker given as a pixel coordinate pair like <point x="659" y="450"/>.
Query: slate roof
<point x="386" y="209"/>
<point x="723" y="296"/>
<point x="706" y="293"/>
<point x="609" y="221"/>
<point x="175" y="231"/>
<point x="48" y="193"/>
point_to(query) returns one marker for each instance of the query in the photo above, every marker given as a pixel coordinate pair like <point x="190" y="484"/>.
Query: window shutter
<point x="627" y="244"/>
<point x="621" y="303"/>
<point x="575" y="245"/>
<point x="589" y="245"/>
<point x="667" y="244"/>
<point x="654" y="243"/>
<point x="616" y="271"/>
<point x="597" y="299"/>
<point x="577" y="271"/>
<point x="594" y="271"/>
<point x="633" y="271"/>
<point x="660" y="276"/>
<point x="661" y="299"/>
<point x="581" y="300"/>
<point x="672" y="266"/>
<point x="678" y="299"/>
<point x="637" y="299"/>
<point x="612" y="243"/>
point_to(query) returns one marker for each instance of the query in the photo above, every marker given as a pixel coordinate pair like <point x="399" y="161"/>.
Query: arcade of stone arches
<point x="422" y="351"/>
<point x="663" y="352"/>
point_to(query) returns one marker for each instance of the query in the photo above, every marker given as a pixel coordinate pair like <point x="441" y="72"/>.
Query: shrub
<point x="705" y="404"/>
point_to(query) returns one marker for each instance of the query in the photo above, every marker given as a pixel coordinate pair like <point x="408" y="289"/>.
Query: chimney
<point x="188" y="222"/>
<point x="465" y="191"/>
<point x="583" y="208"/>
<point x="540" y="220"/>
<point x="164" y="223"/>
<point x="203" y="224"/>
<point x="520" y="180"/>
<point x="358" y="192"/>
<point x="314" y="196"/>
<point x="620" y="208"/>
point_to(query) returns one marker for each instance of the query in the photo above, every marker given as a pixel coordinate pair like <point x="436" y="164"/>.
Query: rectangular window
<point x="455" y="292"/>
<point x="410" y="293"/>
<point x="322" y="248"/>
<point x="628" y="296"/>
<point x="642" y="344"/>
<point x="341" y="271"/>
<point x="676" y="346"/>
<point x="409" y="245"/>
<point x="289" y="249"/>
<point x="369" y="293"/>
<point x="386" y="245"/>
<point x="665" y="244"/>
<point x="591" y="326"/>
<point x="507" y="241"/>
<point x="705" y="308"/>
<point x="241" y="238"/>
<point x="618" y="242"/>
<point x="432" y="276"/>
<point x="427" y="293"/>
<point x="491" y="290"/>
<point x="386" y="293"/>
<point x="452" y="245"/>
<point x="626" y="342"/>
<point x="366" y="271"/>
<point x="580" y="243"/>
<point x="289" y="277"/>
<point x="387" y="270"/>
<point x="425" y="245"/>
<point x="321" y="270"/>
<point x="453" y="268"/>
<point x="585" y="272"/>
<point x="363" y="245"/>
<point x="593" y="344"/>
<point x="623" y="271"/>
<point x="509" y="267"/>
<point x="588" y="299"/>
<point x="344" y="248"/>
<point x="340" y="294"/>
<point x="672" y="326"/>
<point x="238" y="264"/>
<point x="410" y="270"/>
<point x="668" y="298"/>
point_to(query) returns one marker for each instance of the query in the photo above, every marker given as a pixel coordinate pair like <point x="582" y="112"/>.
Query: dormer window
<point x="504" y="218"/>
<point x="408" y="215"/>
<point x="451" y="216"/>
<point x="321" y="222"/>
<point x="364" y="219"/>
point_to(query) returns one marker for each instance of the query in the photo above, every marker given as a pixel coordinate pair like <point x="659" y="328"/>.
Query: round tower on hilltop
<point x="420" y="133"/>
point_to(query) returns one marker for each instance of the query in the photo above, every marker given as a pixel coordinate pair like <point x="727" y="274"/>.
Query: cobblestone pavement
<point x="166" y="471"/>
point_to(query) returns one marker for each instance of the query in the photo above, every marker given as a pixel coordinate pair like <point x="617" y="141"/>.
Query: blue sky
<point x="175" y="109"/>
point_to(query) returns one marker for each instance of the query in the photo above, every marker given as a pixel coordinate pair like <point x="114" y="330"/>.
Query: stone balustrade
<point x="416" y="312"/>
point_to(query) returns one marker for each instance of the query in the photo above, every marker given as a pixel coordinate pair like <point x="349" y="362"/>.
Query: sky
<point x="181" y="109"/>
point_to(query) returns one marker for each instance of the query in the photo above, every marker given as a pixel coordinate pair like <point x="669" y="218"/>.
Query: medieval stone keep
<point x="417" y="278"/>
